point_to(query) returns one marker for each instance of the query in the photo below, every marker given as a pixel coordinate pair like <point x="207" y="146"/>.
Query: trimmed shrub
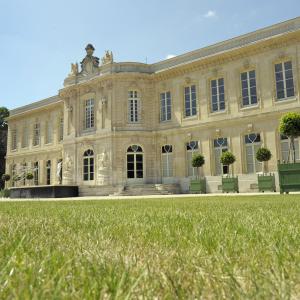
<point x="227" y="159"/>
<point x="5" y="177"/>
<point x="29" y="176"/>
<point x="290" y="127"/>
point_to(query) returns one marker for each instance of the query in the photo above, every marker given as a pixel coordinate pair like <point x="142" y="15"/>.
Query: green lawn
<point x="222" y="247"/>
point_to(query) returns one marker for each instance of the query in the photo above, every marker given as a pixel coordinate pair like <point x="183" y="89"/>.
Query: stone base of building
<point x="55" y="191"/>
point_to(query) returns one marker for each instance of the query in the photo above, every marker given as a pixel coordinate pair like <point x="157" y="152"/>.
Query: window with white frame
<point x="165" y="106"/>
<point x="249" y="93"/>
<point x="88" y="165"/>
<point x="252" y="144"/>
<point x="36" y="173"/>
<point x="48" y="172"/>
<point x="25" y="136"/>
<point x="133" y="107"/>
<point x="61" y="129"/>
<point x="14" y="139"/>
<point x="36" y="134"/>
<point x="220" y="146"/>
<point x="89" y="114"/>
<point x="167" y="160"/>
<point x="191" y="149"/>
<point x="284" y="80"/>
<point x="190" y="101"/>
<point x="286" y="152"/>
<point x="217" y="95"/>
<point x="48" y="132"/>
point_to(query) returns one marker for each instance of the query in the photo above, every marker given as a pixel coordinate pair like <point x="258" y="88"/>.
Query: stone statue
<point x="67" y="170"/>
<point x="107" y="58"/>
<point x="103" y="168"/>
<point x="59" y="171"/>
<point x="90" y="63"/>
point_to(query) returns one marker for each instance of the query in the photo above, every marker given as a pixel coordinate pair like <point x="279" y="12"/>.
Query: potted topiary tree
<point x="16" y="178"/>
<point x="198" y="185"/>
<point x="5" y="177"/>
<point x="266" y="182"/>
<point x="229" y="183"/>
<point x="289" y="172"/>
<point x="29" y="176"/>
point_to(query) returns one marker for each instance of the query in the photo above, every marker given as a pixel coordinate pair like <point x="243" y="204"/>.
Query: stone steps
<point x="150" y="189"/>
<point x="130" y="190"/>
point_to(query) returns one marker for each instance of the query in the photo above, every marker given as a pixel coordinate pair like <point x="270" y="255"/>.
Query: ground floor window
<point x="48" y="172"/>
<point x="36" y="173"/>
<point x="167" y="161"/>
<point x="191" y="149"/>
<point x="23" y="173"/>
<point x="135" y="162"/>
<point x="13" y="173"/>
<point x="252" y="144"/>
<point x="220" y="146"/>
<point x="286" y="153"/>
<point x="88" y="165"/>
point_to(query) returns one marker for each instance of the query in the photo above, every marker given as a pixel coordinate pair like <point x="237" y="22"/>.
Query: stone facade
<point x="117" y="117"/>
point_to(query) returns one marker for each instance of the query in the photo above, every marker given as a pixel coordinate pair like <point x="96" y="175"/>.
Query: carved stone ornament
<point x="108" y="58"/>
<point x="250" y="127"/>
<point x="90" y="63"/>
<point x="74" y="70"/>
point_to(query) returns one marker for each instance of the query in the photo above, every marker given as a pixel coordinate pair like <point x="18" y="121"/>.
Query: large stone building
<point x="117" y="124"/>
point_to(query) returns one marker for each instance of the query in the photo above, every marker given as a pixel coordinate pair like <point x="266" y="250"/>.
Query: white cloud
<point x="210" y="14"/>
<point x="170" y="56"/>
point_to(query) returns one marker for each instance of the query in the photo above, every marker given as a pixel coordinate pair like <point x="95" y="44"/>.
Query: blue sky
<point x="39" y="39"/>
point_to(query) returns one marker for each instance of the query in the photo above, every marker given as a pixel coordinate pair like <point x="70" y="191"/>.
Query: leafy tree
<point x="198" y="161"/>
<point x="4" y="113"/>
<point x="263" y="155"/>
<point x="290" y="127"/>
<point x="227" y="159"/>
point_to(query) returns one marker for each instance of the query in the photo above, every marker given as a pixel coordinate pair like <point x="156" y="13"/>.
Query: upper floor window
<point x="25" y="136"/>
<point x="165" y="106"/>
<point x="14" y="139"/>
<point x="284" y="80"/>
<point x="61" y="129"/>
<point x="89" y="111"/>
<point x="190" y="101"/>
<point x="48" y="132"/>
<point x="249" y="94"/>
<point x="217" y="95"/>
<point x="191" y="148"/>
<point x="36" y="134"/>
<point x="252" y="143"/>
<point x="133" y="107"/>
<point x="167" y="161"/>
<point x="220" y="146"/>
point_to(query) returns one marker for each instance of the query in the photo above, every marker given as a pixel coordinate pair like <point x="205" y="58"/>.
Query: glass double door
<point x="135" y="167"/>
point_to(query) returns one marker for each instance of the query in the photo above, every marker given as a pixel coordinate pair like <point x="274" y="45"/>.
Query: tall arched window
<point x="252" y="144"/>
<point x="88" y="165"/>
<point x="48" y="172"/>
<point x="167" y="160"/>
<point x="135" y="164"/>
<point x="191" y="149"/>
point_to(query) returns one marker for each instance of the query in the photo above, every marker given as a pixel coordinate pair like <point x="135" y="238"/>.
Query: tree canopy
<point x="4" y="113"/>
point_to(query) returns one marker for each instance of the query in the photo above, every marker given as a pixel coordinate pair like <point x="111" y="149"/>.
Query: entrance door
<point x="135" y="164"/>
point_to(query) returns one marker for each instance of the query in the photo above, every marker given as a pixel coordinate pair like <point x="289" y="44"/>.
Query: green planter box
<point x="198" y="186"/>
<point x="230" y="184"/>
<point x="289" y="177"/>
<point x="266" y="182"/>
